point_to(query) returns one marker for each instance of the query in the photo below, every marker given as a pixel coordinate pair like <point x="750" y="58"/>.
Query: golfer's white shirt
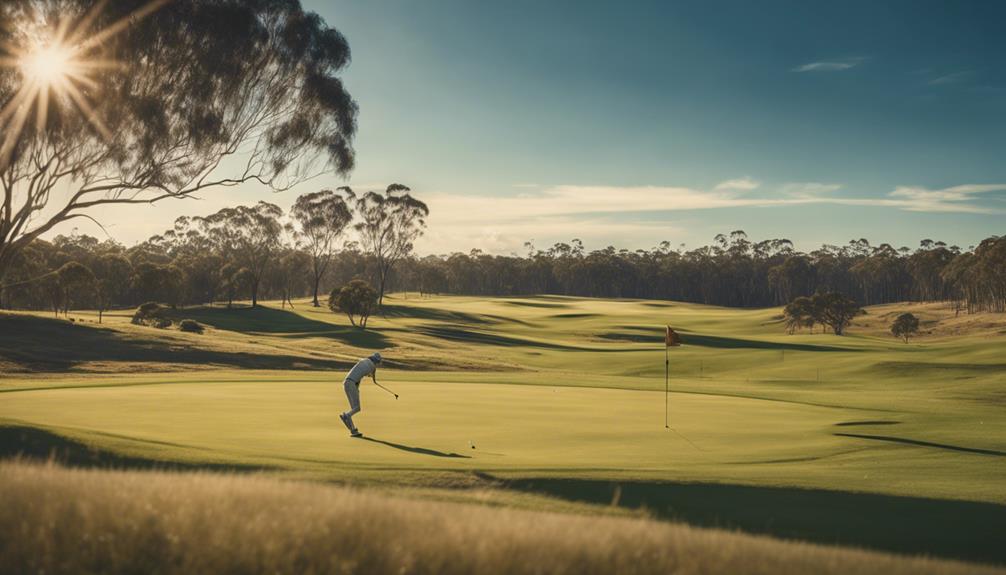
<point x="362" y="369"/>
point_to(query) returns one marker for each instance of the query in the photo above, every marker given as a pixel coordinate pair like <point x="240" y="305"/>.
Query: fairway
<point x="550" y="402"/>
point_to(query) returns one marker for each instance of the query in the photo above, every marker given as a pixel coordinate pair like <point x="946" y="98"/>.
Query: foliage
<point x="194" y="81"/>
<point x="248" y="236"/>
<point x="322" y="217"/>
<point x="191" y="326"/>
<point x="905" y="326"/>
<point x="389" y="225"/>
<point x="831" y="309"/>
<point x="355" y="299"/>
<point x="151" y="314"/>
<point x="75" y="280"/>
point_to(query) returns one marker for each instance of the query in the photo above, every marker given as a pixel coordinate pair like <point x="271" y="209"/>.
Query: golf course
<point x="551" y="404"/>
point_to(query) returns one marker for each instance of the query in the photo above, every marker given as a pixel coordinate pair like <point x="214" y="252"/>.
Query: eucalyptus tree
<point x="321" y="218"/>
<point x="390" y="223"/>
<point x="112" y="273"/>
<point x="136" y="101"/>
<point x="249" y="236"/>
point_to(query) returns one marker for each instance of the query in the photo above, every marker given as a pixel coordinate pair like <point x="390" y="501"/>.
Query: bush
<point x="191" y="326"/>
<point x="354" y="299"/>
<point x="153" y="314"/>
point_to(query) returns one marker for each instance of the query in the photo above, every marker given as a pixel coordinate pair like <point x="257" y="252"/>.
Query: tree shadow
<point x="965" y="530"/>
<point x="35" y="344"/>
<point x="283" y="323"/>
<point x="419" y="450"/>
<point x="647" y="334"/>
<point x="920" y="443"/>
<point x="433" y="314"/>
<point x="30" y="443"/>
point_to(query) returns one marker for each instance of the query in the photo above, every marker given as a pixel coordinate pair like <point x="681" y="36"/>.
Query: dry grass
<point x="56" y="520"/>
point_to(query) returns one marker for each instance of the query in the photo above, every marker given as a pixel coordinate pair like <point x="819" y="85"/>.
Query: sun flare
<point x="48" y="65"/>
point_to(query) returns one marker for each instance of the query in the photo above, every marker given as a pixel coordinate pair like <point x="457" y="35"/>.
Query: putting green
<point x="517" y="431"/>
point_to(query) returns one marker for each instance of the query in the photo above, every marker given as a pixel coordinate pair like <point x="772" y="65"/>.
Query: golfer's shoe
<point x="355" y="433"/>
<point x="345" y="421"/>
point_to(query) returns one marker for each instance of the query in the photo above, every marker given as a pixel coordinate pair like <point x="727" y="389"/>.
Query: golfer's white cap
<point x="376" y="358"/>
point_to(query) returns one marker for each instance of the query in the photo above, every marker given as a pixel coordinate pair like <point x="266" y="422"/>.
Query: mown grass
<point x="859" y="440"/>
<point x="54" y="520"/>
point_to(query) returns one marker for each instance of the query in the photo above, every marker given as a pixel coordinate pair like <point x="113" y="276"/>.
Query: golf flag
<point x="671" y="338"/>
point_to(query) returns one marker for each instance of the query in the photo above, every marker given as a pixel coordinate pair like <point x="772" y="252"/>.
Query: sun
<point x="48" y="66"/>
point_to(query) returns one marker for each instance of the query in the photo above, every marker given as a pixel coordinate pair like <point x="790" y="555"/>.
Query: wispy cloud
<point x="742" y="184"/>
<point x="631" y="215"/>
<point x="953" y="199"/>
<point x="829" y="65"/>
<point x="953" y="78"/>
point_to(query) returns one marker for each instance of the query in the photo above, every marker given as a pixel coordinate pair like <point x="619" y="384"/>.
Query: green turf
<point x="858" y="439"/>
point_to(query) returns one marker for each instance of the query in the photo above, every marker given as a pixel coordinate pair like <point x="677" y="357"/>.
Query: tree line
<point x="258" y="252"/>
<point x="733" y="271"/>
<point x="237" y="253"/>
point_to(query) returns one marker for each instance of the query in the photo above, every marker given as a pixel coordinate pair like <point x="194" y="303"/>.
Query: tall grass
<point x="57" y="520"/>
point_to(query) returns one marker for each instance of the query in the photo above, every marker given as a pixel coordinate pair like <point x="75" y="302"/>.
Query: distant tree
<point x="905" y="326"/>
<point x="800" y="313"/>
<point x="234" y="281"/>
<point x="77" y="283"/>
<point x="195" y="82"/>
<point x="247" y="236"/>
<point x="836" y="310"/>
<point x="112" y="274"/>
<point x="163" y="283"/>
<point x="321" y="218"/>
<point x="391" y="222"/>
<point x="290" y="275"/>
<point x="355" y="299"/>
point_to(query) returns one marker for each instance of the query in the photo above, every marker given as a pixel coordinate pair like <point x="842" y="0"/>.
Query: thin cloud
<point x="829" y="65"/>
<point x="954" y="78"/>
<point x="742" y="184"/>
<point x="627" y="215"/>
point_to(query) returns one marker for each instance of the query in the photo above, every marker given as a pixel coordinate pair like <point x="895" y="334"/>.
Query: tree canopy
<point x="157" y="99"/>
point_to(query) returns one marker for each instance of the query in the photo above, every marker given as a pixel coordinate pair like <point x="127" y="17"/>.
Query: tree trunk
<point x="317" y="281"/>
<point x="255" y="293"/>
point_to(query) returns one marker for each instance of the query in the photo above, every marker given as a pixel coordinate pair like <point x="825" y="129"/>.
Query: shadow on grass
<point x="432" y="314"/>
<point x="656" y="335"/>
<point x="538" y="304"/>
<point x="36" y="344"/>
<point x="906" y="441"/>
<point x="419" y="450"/>
<point x="281" y="322"/>
<point x="954" y="529"/>
<point x="35" y="444"/>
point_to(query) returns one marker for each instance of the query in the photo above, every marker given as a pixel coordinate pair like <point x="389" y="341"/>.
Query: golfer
<point x="363" y="368"/>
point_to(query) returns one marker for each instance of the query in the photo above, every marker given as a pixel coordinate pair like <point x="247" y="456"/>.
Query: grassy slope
<point x="900" y="446"/>
<point x="54" y="520"/>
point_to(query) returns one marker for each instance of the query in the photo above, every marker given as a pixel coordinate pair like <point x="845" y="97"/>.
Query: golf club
<point x="386" y="389"/>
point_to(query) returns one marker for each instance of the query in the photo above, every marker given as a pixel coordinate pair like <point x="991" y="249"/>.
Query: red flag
<point x="671" y="338"/>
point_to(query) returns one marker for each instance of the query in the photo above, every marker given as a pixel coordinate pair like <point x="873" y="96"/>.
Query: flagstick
<point x="667" y="367"/>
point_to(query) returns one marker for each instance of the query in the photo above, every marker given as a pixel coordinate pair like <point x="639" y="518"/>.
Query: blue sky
<point x="630" y="123"/>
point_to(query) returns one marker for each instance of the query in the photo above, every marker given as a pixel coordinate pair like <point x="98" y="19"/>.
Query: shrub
<point x="151" y="313"/>
<point x="191" y="326"/>
<point x="354" y="299"/>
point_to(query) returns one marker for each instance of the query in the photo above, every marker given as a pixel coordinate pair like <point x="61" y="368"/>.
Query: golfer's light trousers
<point x="353" y="394"/>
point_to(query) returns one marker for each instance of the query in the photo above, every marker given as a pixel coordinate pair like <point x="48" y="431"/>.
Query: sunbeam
<point x="56" y="65"/>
